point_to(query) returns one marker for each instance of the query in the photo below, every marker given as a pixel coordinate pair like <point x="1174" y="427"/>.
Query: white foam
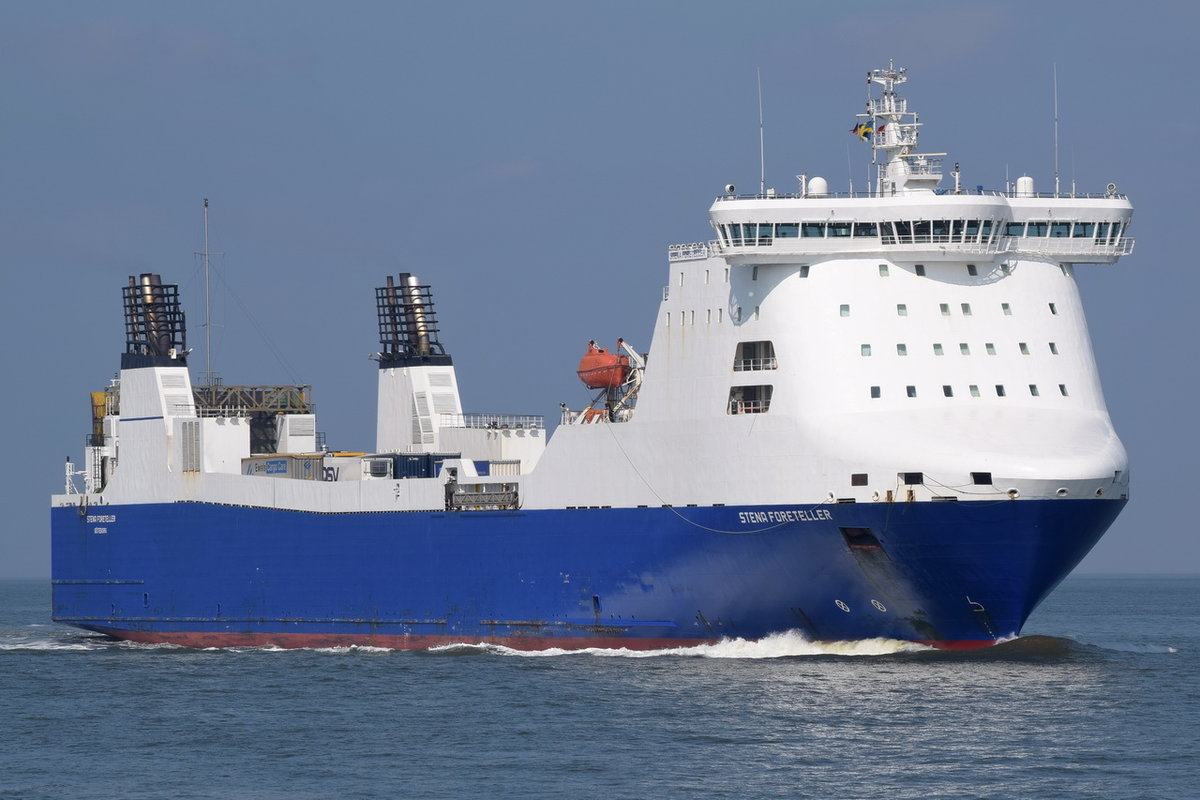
<point x="777" y="645"/>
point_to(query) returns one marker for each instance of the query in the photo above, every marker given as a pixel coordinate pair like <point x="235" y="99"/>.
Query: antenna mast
<point x="209" y="378"/>
<point x="762" y="156"/>
<point x="1056" y="129"/>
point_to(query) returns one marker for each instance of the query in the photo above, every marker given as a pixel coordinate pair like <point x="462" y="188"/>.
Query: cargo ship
<point x="860" y="415"/>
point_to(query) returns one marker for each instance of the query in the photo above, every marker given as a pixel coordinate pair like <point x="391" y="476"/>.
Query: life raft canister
<point x="600" y="369"/>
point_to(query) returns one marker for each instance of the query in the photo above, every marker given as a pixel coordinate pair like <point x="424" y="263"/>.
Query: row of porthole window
<point x="944" y="309"/>
<point x="964" y="348"/>
<point x="973" y="390"/>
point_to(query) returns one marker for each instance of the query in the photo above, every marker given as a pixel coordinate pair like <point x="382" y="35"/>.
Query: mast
<point x="208" y="373"/>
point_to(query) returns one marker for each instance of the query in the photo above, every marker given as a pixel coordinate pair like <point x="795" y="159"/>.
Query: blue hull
<point x="952" y="574"/>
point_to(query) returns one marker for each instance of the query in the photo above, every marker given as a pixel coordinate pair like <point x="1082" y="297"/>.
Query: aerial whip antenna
<point x="762" y="156"/>
<point x="1056" y="129"/>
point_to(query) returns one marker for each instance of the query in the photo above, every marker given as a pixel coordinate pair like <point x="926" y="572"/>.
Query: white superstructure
<point x="910" y="343"/>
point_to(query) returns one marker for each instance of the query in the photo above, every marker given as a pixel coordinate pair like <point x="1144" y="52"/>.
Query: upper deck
<point x="773" y="228"/>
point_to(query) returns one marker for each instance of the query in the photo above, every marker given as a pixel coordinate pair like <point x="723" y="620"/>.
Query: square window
<point x="1024" y="348"/>
<point x="706" y="277"/>
<point x="874" y="391"/>
<point x="991" y="348"/>
<point x="937" y="349"/>
<point x="911" y="391"/>
<point x="844" y="310"/>
<point x="971" y="270"/>
<point x="920" y="270"/>
<point x="964" y="348"/>
<point x="1062" y="389"/>
<point x="974" y="390"/>
<point x="901" y="349"/>
<point x="981" y="478"/>
<point x="1053" y="308"/>
<point x="948" y="391"/>
<point x="883" y="270"/>
<point x="1053" y="349"/>
<point x="945" y="309"/>
<point x="912" y="478"/>
<point x="966" y="309"/>
<point x="999" y="390"/>
<point x="858" y="479"/>
<point x="1033" y="390"/>
<point x="865" y="349"/>
<point x="901" y="309"/>
<point x="804" y="270"/>
<point x="1007" y="309"/>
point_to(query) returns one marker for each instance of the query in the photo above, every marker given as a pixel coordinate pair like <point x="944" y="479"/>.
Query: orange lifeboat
<point x="600" y="369"/>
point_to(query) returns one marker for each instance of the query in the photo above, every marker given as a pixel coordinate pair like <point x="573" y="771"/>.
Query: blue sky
<point x="533" y="161"/>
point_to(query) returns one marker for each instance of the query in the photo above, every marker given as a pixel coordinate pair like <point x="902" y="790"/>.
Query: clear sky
<point x="533" y="161"/>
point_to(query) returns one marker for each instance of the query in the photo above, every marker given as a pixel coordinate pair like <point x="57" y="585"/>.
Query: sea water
<point x="1099" y="699"/>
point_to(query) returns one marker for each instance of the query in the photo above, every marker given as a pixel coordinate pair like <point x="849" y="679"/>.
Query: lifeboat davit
<point x="600" y="369"/>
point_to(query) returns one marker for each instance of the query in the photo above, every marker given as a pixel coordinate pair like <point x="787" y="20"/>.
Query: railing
<point x="946" y="192"/>
<point x="749" y="406"/>
<point x="687" y="252"/>
<point x="749" y="364"/>
<point x="493" y="421"/>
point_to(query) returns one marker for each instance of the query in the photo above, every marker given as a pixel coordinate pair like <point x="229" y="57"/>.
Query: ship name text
<point x="790" y="515"/>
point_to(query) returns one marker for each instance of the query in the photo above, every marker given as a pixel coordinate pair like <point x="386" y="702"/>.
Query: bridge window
<point x="839" y="229"/>
<point x="1083" y="230"/>
<point x="787" y="230"/>
<point x="1116" y="232"/>
<point x="1059" y="230"/>
<point x="865" y="229"/>
<point x="1014" y="229"/>
<point x="1102" y="233"/>
<point x="1036" y="228"/>
<point x="985" y="231"/>
<point x="750" y="399"/>
<point x="812" y="229"/>
<point x="940" y="229"/>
